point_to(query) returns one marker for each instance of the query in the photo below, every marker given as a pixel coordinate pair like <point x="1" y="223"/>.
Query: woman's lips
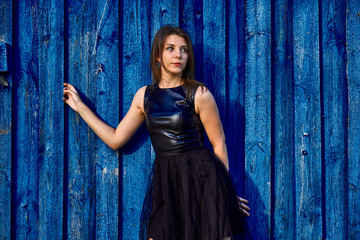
<point x="177" y="64"/>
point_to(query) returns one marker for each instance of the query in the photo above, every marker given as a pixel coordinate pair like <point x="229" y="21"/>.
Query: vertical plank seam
<point x="322" y="124"/>
<point x="346" y="132"/>
<point x="120" y="158"/>
<point x="291" y="5"/>
<point x="226" y="75"/>
<point x="201" y="56"/>
<point x="243" y="95"/>
<point x="291" y="10"/>
<point x="15" y="41"/>
<point x="150" y="27"/>
<point x="66" y="123"/>
<point x="181" y="11"/>
<point x="272" y="122"/>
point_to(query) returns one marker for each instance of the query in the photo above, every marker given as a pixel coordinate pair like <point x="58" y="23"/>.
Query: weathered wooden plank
<point x="82" y="41"/>
<point x="334" y="87"/>
<point x="106" y="54"/>
<point x="307" y="124"/>
<point x="214" y="51"/>
<point x="136" y="158"/>
<point x="4" y="56"/>
<point x="283" y="123"/>
<point x="93" y="173"/>
<point x="6" y="28"/>
<point x="25" y="196"/>
<point x="258" y="115"/>
<point x="353" y="76"/>
<point x="51" y="119"/>
<point x="163" y="12"/>
<point x="191" y="20"/>
<point x="234" y="124"/>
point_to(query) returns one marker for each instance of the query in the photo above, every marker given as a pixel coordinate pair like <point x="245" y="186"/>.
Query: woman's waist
<point x="167" y="143"/>
<point x="178" y="148"/>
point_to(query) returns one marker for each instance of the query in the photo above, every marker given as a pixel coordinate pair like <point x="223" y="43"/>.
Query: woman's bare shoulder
<point x="203" y="98"/>
<point x="140" y="92"/>
<point x="203" y="94"/>
<point x="138" y="100"/>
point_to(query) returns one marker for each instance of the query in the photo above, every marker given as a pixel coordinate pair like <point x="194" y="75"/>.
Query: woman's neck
<point x="170" y="81"/>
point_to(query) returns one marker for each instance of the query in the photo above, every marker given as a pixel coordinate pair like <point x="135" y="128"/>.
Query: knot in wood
<point x="304" y="152"/>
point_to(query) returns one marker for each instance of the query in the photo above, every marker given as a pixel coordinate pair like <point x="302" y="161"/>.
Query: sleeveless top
<point x="172" y="122"/>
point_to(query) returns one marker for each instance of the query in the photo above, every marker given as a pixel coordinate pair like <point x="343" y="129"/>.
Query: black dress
<point x="190" y="194"/>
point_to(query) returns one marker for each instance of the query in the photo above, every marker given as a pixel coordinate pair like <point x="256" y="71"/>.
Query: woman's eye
<point x="169" y="48"/>
<point x="184" y="50"/>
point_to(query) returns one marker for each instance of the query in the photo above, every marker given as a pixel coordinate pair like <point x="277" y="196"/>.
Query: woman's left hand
<point x="243" y="207"/>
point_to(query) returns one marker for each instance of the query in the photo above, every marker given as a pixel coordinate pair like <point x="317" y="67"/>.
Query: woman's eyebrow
<point x="170" y="44"/>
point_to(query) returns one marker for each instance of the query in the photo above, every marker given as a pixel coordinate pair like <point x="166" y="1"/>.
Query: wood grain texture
<point x="6" y="28"/>
<point x="25" y="196"/>
<point x="283" y="123"/>
<point x="4" y="54"/>
<point x="258" y="115"/>
<point x="82" y="42"/>
<point x="136" y="154"/>
<point x="307" y="126"/>
<point x="163" y="12"/>
<point x="285" y="75"/>
<point x="51" y="119"/>
<point x="234" y="123"/>
<point x="334" y="92"/>
<point x="191" y="20"/>
<point x="214" y="51"/>
<point x="353" y="78"/>
<point x="106" y="76"/>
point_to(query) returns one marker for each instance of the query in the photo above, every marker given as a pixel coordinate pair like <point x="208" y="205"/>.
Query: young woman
<point x="190" y="193"/>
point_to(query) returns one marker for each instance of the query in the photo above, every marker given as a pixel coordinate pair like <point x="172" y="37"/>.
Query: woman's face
<point x="175" y="55"/>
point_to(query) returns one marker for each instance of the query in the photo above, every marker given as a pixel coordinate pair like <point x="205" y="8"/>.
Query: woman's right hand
<point x="71" y="97"/>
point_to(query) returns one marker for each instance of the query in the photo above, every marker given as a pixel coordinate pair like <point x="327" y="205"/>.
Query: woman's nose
<point x="178" y="53"/>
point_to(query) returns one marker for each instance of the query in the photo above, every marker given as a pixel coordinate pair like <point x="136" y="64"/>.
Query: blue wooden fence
<point x="286" y="77"/>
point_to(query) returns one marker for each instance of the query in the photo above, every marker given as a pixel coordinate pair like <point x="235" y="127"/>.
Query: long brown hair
<point x="188" y="74"/>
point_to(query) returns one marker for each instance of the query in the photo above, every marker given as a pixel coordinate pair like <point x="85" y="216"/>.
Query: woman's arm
<point x="205" y="106"/>
<point x="114" y="138"/>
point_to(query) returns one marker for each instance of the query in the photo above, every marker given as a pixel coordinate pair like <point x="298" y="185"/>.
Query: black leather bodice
<point x="171" y="119"/>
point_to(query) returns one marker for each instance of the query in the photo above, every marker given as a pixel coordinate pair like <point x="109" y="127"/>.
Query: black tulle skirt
<point x="191" y="196"/>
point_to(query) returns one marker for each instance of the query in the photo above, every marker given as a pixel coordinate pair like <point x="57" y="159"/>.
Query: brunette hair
<point x="188" y="74"/>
